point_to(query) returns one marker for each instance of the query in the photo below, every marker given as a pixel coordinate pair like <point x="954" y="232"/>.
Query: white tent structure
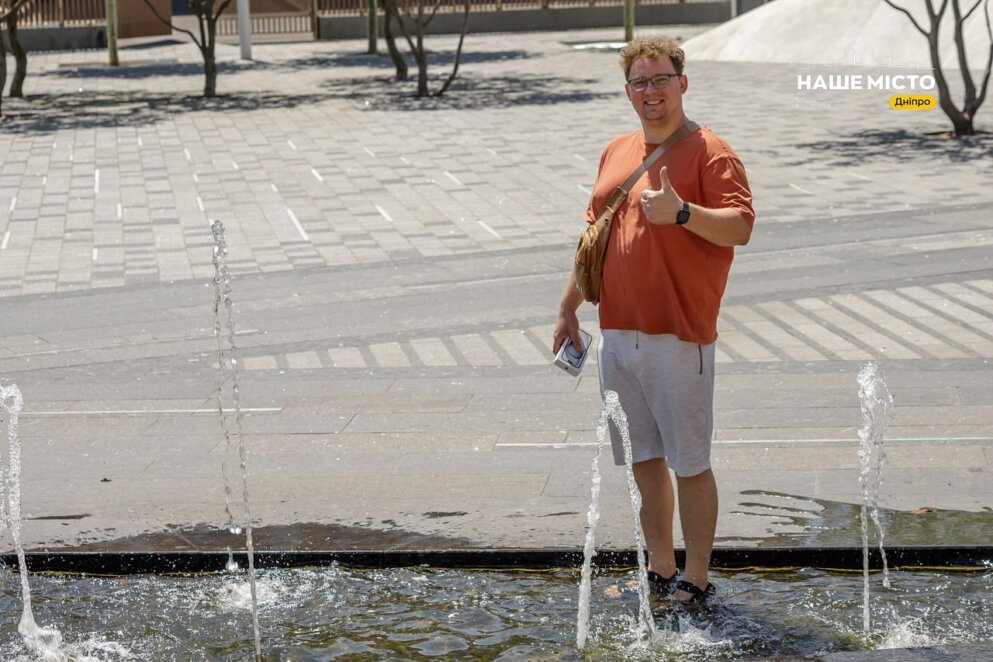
<point x="827" y="32"/>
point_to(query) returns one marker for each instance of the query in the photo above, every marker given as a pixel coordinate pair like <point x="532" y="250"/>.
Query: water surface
<point x="335" y="613"/>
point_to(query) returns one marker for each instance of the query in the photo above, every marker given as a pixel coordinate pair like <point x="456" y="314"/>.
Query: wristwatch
<point x="684" y="214"/>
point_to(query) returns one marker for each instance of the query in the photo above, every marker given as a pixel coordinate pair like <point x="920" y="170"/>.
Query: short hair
<point x="651" y="49"/>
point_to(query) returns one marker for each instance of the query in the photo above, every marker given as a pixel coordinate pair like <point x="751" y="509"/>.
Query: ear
<point x="684" y="83"/>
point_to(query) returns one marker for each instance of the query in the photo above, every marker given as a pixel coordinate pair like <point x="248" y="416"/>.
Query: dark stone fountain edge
<point x="726" y="558"/>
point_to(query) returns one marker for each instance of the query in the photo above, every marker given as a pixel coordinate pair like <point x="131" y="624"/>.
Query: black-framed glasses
<point x="659" y="81"/>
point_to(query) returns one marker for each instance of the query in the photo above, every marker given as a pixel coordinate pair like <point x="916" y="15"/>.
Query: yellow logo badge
<point x="913" y="102"/>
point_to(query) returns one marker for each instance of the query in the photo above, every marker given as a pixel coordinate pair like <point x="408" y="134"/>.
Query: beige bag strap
<point x="621" y="192"/>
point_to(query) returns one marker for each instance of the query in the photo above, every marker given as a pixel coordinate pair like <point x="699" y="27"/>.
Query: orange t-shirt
<point x="664" y="278"/>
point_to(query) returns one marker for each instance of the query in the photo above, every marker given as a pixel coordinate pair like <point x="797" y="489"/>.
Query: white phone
<point x="569" y="358"/>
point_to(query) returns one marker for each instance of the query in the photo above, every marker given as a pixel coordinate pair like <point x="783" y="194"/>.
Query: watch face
<point x="683" y="215"/>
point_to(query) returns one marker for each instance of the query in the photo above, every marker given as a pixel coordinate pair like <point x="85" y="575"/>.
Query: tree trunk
<point x="3" y="71"/>
<point x="963" y="126"/>
<point x="422" y="74"/>
<point x="209" y="72"/>
<point x="392" y="14"/>
<point x="20" y="58"/>
<point x="210" y="60"/>
<point x="419" y="55"/>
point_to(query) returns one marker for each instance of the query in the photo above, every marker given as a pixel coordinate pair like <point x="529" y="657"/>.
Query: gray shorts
<point x="666" y="388"/>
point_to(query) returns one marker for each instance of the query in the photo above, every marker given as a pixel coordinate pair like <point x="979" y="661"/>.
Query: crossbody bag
<point x="592" y="248"/>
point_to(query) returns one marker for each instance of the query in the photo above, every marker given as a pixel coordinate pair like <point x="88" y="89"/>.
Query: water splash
<point x="877" y="411"/>
<point x="589" y="548"/>
<point x="45" y="643"/>
<point x="906" y="634"/>
<point x="228" y="363"/>
<point x="237" y="596"/>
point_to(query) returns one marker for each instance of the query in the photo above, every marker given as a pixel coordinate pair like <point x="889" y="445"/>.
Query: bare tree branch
<point x="403" y="30"/>
<point x="969" y="13"/>
<point x="159" y="16"/>
<point x="458" y="51"/>
<point x="909" y="15"/>
<point x="420" y="53"/>
<point x="434" y="11"/>
<point x="204" y="38"/>
<point x="939" y="13"/>
<point x="970" y="86"/>
<point x="13" y="9"/>
<point x="989" y="59"/>
<point x="221" y="8"/>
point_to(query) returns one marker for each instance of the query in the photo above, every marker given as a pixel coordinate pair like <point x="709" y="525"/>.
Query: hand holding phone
<point x="571" y="359"/>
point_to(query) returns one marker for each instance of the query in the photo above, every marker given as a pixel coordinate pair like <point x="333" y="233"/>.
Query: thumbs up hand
<point x="661" y="206"/>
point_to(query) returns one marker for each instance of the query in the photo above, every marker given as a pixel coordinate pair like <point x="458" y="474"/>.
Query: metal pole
<point x="111" y="7"/>
<point x="628" y="20"/>
<point x="372" y="29"/>
<point x="734" y="8"/>
<point x="245" y="29"/>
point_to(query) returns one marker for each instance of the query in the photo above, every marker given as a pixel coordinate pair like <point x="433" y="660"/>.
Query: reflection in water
<point x="417" y="613"/>
<point x="808" y="522"/>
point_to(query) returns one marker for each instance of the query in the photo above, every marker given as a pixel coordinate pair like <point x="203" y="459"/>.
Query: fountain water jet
<point x="589" y="548"/>
<point x="228" y="362"/>
<point x="620" y="419"/>
<point x="877" y="408"/>
<point x="46" y="643"/>
<point x="613" y="411"/>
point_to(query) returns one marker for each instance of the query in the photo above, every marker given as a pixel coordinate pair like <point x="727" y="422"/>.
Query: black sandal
<point x="660" y="586"/>
<point x="698" y="595"/>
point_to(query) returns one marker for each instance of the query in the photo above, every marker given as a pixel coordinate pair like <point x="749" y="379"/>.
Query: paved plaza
<point x="398" y="264"/>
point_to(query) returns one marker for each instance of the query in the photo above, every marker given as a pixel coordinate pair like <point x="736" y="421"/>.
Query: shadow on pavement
<point x="53" y="112"/>
<point x="43" y="113"/>
<point x="136" y="69"/>
<point x="901" y="145"/>
<point x="468" y="92"/>
<point x="151" y="68"/>
<point x="382" y="60"/>
<point x="156" y="43"/>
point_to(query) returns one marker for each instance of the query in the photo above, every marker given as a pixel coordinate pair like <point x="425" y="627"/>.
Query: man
<point x="665" y="271"/>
